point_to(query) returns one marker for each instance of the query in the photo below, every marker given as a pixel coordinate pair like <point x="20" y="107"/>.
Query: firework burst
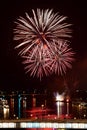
<point x="39" y="64"/>
<point x="62" y="58"/>
<point x="45" y="62"/>
<point x="44" y="28"/>
<point x="43" y="42"/>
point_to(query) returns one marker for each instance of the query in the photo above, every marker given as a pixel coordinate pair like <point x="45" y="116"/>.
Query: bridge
<point x="57" y="123"/>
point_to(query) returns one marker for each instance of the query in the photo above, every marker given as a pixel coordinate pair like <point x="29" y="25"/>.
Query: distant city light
<point x="59" y="97"/>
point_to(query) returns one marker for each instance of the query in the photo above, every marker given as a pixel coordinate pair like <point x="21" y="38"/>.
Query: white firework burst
<point x="43" y="42"/>
<point x="62" y="58"/>
<point x="45" y="62"/>
<point x="39" y="64"/>
<point x="45" y="27"/>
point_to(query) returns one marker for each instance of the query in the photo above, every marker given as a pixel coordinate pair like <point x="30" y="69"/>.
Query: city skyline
<point x="12" y="74"/>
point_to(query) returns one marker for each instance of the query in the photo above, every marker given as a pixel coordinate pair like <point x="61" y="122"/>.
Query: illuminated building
<point x="4" y="109"/>
<point x="79" y="104"/>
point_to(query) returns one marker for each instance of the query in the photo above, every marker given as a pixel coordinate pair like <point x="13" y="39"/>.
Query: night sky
<point x="12" y="74"/>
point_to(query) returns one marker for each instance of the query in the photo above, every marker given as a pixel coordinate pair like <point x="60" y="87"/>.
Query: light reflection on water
<point x="19" y="106"/>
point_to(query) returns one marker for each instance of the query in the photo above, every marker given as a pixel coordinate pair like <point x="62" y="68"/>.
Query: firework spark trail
<point x="43" y="42"/>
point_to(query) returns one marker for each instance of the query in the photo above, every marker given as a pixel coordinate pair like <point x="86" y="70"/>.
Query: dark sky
<point x="12" y="75"/>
